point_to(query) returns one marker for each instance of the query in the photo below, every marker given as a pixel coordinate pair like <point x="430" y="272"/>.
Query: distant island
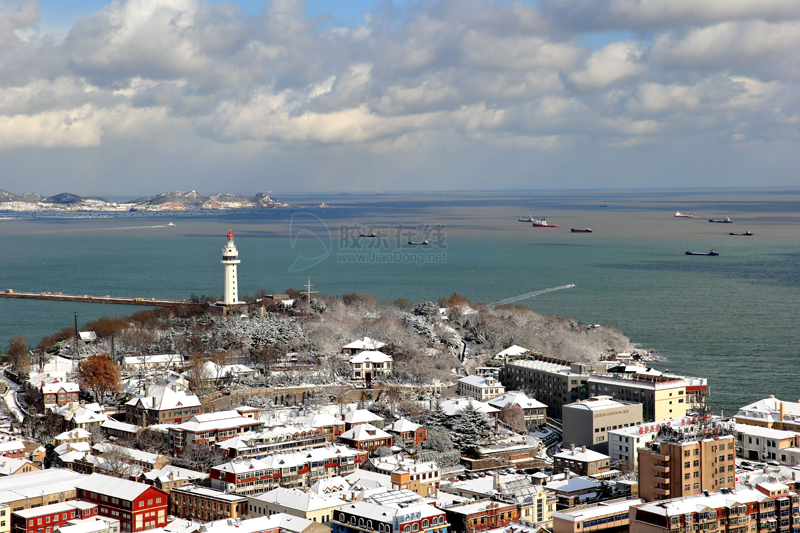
<point x="168" y="201"/>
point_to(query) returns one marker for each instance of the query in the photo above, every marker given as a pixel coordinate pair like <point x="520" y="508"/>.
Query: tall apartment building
<point x="587" y="422"/>
<point x="686" y="466"/>
<point x="624" y="443"/>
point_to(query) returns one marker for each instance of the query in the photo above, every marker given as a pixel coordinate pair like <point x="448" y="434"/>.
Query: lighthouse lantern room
<point x="230" y="258"/>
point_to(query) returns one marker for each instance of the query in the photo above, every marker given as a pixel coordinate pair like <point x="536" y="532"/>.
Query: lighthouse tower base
<point x="223" y="309"/>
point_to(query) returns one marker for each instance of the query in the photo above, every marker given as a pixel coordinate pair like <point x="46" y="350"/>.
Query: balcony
<point x="661" y="490"/>
<point x="663" y="469"/>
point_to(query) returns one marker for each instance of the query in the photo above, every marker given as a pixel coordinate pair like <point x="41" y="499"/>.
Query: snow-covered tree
<point x="437" y="417"/>
<point x="470" y="429"/>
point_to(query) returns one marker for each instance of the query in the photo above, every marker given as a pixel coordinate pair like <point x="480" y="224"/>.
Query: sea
<point x="732" y="318"/>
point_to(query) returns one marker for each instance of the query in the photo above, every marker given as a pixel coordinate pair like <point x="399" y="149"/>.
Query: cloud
<point x="612" y="63"/>
<point x="430" y="81"/>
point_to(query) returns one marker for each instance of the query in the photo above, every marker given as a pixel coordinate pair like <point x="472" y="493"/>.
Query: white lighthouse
<point x="230" y="258"/>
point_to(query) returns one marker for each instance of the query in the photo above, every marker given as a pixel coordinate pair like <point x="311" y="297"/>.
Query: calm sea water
<point x="732" y="318"/>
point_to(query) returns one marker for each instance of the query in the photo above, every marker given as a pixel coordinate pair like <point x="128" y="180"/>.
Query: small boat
<point x="712" y="252"/>
<point x="423" y="243"/>
<point x="170" y="224"/>
<point x="323" y="205"/>
<point x="528" y="219"/>
<point x="542" y="223"/>
<point x="372" y="235"/>
<point x="678" y="214"/>
<point x="587" y="230"/>
<point x="725" y="220"/>
<point x="746" y="233"/>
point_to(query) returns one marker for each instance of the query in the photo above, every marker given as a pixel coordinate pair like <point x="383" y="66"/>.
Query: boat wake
<point x="530" y="295"/>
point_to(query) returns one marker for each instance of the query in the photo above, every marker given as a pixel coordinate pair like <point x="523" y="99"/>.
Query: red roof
<point x="230" y="235"/>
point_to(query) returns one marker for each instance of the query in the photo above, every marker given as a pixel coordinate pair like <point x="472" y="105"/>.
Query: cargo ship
<point x="725" y="220"/>
<point x="526" y="219"/>
<point x="678" y="214"/>
<point x="542" y="223"/>
<point x="712" y="252"/>
<point x="587" y="230"/>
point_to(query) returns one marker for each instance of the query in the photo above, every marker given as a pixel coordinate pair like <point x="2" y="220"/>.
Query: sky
<point x="144" y="96"/>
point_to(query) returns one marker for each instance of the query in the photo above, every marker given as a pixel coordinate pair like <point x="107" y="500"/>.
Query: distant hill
<point x="63" y="198"/>
<point x="175" y="197"/>
<point x="6" y="196"/>
<point x="31" y="197"/>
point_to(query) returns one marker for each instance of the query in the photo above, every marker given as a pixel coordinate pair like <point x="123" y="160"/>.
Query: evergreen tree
<point x="437" y="417"/>
<point x="470" y="429"/>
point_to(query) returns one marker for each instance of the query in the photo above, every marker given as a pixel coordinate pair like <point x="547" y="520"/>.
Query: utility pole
<point x="309" y="292"/>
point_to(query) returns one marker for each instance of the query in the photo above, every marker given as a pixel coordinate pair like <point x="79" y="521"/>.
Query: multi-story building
<point x="686" y="466"/>
<point x="760" y="443"/>
<point x="535" y="412"/>
<point x="587" y="422"/>
<point x="368" y="365"/>
<point x="407" y="433"/>
<point x="35" y="489"/>
<point x="209" y="429"/>
<point x="71" y="437"/>
<point x="604" y="517"/>
<point x="582" y="461"/>
<point x="50" y="517"/>
<point x="204" y="504"/>
<point x="296" y="502"/>
<point x="771" y="413"/>
<point x="278" y="439"/>
<point x="57" y="394"/>
<point x="161" y="404"/>
<point x="662" y="396"/>
<point x="742" y="511"/>
<point x="624" y="443"/>
<point x="361" y="517"/>
<point x="145" y="460"/>
<point x="297" y="469"/>
<point x="422" y="477"/>
<point x="332" y="426"/>
<point x="552" y="381"/>
<point x="482" y="516"/>
<point x="137" y="506"/>
<point x="366" y="437"/>
<point x="480" y="387"/>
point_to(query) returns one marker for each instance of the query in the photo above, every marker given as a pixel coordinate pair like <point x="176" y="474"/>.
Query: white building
<point x="370" y="364"/>
<point x="230" y="258"/>
<point x="771" y="413"/>
<point x="296" y="502"/>
<point x="623" y="442"/>
<point x="512" y="352"/>
<point x="765" y="444"/>
<point x="479" y="387"/>
<point x="148" y="362"/>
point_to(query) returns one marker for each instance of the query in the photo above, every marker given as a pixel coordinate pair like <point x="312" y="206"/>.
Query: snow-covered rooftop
<point x="364" y="344"/>
<point x="364" y="432"/>
<point x="370" y="356"/>
<point x="516" y="398"/>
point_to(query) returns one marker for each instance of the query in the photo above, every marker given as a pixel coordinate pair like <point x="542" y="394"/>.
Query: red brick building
<point x="137" y="506"/>
<point x="14" y="449"/>
<point x="59" y="393"/>
<point x="482" y="515"/>
<point x="49" y="517"/>
<point x="407" y="433"/>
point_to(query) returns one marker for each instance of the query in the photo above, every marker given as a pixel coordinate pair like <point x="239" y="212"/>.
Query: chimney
<point x="495" y="480"/>
<point x="572" y="447"/>
<point x="783" y="410"/>
<point x="584" y="449"/>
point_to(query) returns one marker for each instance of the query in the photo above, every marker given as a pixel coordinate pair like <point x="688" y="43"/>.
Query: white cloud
<point x="612" y="63"/>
